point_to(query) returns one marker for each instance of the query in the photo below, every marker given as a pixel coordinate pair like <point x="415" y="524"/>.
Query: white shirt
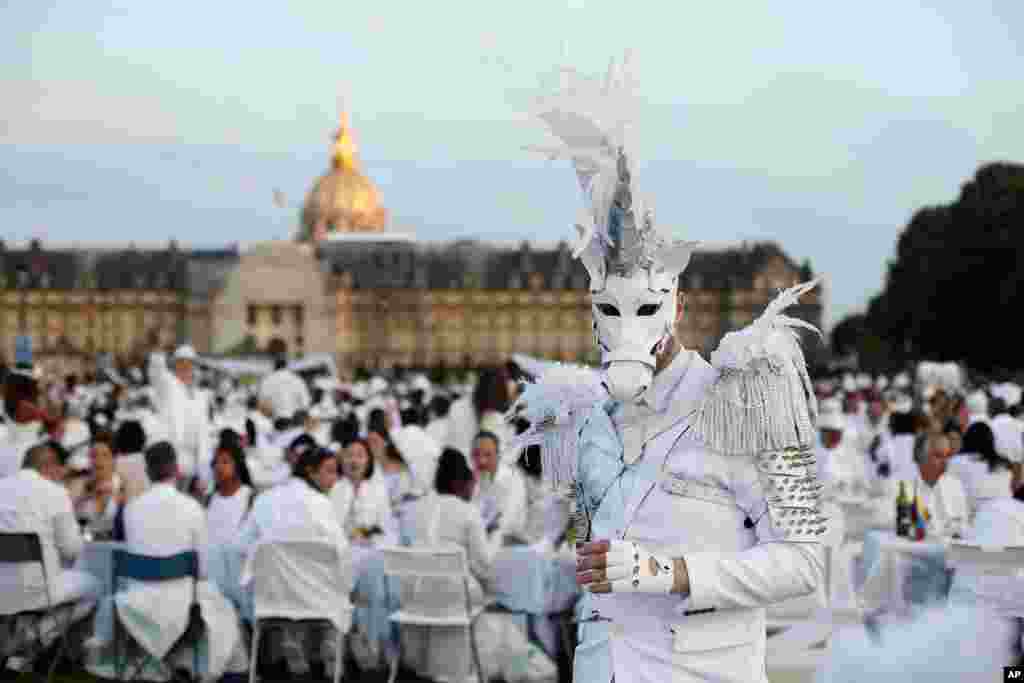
<point x="184" y="413"/>
<point x="448" y="520"/>
<point x="503" y="497"/>
<point x="164" y="522"/>
<point x="31" y="504"/>
<point x="362" y="508"/>
<point x="1009" y="435"/>
<point x="224" y="515"/>
<point x="285" y="392"/>
<point x="979" y="482"/>
<point x="17" y="439"/>
<point x="945" y="501"/>
<point x="293" y="510"/>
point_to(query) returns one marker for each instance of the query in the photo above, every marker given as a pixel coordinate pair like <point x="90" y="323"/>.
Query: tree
<point x="955" y="276"/>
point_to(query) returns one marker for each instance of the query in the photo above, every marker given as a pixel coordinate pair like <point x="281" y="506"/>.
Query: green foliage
<point x="956" y="279"/>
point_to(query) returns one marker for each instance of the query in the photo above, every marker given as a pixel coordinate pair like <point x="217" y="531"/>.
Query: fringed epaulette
<point x="763" y="400"/>
<point x="556" y="406"/>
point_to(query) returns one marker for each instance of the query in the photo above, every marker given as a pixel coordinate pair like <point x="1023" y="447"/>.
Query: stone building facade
<point x="372" y="302"/>
<point x="353" y="287"/>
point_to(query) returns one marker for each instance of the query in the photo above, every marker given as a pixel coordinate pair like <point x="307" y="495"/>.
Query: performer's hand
<point x="623" y="567"/>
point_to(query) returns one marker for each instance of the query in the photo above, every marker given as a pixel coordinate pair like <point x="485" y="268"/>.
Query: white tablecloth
<point x="899" y="571"/>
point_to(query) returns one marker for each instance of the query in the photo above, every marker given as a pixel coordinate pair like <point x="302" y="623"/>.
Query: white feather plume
<point x="763" y="398"/>
<point x="555" y="406"/>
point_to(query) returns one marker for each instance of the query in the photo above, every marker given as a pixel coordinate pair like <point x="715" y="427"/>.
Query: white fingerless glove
<point x="632" y="569"/>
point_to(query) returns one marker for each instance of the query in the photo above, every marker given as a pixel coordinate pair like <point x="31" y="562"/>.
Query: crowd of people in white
<point x="159" y="464"/>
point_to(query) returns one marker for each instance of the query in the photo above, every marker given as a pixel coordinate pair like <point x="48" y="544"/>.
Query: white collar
<point x="656" y="397"/>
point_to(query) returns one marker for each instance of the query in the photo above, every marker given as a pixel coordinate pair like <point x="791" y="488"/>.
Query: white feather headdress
<point x="591" y="118"/>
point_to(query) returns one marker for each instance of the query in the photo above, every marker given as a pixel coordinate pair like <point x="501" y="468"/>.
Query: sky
<point x="822" y="126"/>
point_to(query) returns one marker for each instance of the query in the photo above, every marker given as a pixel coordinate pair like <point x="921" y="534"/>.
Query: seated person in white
<point x="447" y="518"/>
<point x="129" y="462"/>
<point x="390" y="467"/>
<point x="360" y="500"/>
<point x="500" y="492"/>
<point x="233" y="497"/>
<point x="942" y="495"/>
<point x="984" y="473"/>
<point x="164" y="521"/>
<point x="299" y="509"/>
<point x="33" y="501"/>
<point x="102" y="496"/>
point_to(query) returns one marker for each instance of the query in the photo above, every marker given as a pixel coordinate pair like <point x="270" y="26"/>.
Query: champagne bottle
<point x="903" y="512"/>
<point x="919" y="517"/>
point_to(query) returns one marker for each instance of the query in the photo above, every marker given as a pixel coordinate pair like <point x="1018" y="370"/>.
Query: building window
<point x="21" y="278"/>
<point x="44" y="281"/>
<point x="250" y="313"/>
<point x="300" y="316"/>
<point x="275" y="315"/>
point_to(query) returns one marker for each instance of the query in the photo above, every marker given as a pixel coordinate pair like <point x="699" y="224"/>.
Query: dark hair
<point x="981" y="442"/>
<point x="377" y="421"/>
<point x="234" y="450"/>
<point x="345" y="430"/>
<point x="452" y="470"/>
<point x="311" y="459"/>
<point x="161" y="462"/>
<point x="250" y="431"/>
<point x="130" y="438"/>
<point x="484" y="434"/>
<point x="369" y="454"/>
<point x="229" y="437"/>
<point x="902" y="423"/>
<point x="491" y="392"/>
<point x="439" y="406"/>
<point x="280" y="363"/>
<point x="63" y="454"/>
<point x="18" y="388"/>
<point x="304" y="443"/>
<point x="411" y="416"/>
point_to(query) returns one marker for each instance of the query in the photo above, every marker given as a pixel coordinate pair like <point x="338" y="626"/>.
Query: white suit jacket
<point x="163" y="522"/>
<point x="185" y="414"/>
<point x="658" y="485"/>
<point x="31" y="504"/>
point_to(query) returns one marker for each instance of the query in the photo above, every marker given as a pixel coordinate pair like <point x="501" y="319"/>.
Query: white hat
<point x="378" y="385"/>
<point x="901" y="381"/>
<point x="849" y="383"/>
<point x="882" y="383"/>
<point x="833" y="421"/>
<point x="420" y="383"/>
<point x="863" y="381"/>
<point x="901" y="403"/>
<point x="185" y="352"/>
<point x="831" y="406"/>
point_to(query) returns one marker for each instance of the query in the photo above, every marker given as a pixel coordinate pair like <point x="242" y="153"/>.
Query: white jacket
<point x="185" y="414"/>
<point x="674" y="496"/>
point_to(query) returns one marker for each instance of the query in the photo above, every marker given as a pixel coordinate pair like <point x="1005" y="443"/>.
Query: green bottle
<point x="904" y="512"/>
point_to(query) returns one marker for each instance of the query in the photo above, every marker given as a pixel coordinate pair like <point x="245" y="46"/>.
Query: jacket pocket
<point x="714" y="631"/>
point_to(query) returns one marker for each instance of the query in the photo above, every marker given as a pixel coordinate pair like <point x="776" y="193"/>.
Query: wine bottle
<point x="903" y="512"/>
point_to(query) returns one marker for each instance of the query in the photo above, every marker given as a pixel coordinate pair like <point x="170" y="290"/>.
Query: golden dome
<point x="343" y="199"/>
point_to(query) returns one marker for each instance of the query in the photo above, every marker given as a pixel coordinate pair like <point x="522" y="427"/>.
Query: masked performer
<point x="695" y="487"/>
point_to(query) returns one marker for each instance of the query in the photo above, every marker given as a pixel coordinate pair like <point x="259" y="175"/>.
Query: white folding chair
<point x="434" y="592"/>
<point x="25" y="549"/>
<point x="301" y="581"/>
